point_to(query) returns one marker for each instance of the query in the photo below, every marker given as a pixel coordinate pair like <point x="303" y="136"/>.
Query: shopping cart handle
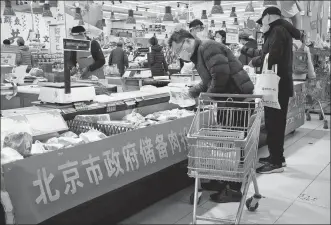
<point x="214" y="95"/>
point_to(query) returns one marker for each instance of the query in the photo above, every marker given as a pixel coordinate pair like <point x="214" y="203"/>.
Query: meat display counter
<point x="115" y="177"/>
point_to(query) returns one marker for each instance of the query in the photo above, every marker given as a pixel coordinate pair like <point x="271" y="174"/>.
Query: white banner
<point x="232" y="35"/>
<point x="56" y="34"/>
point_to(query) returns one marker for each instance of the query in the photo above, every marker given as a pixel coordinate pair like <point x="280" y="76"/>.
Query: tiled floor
<point x="300" y="195"/>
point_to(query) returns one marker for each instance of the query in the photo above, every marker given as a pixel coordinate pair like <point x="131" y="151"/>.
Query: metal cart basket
<point x="223" y="142"/>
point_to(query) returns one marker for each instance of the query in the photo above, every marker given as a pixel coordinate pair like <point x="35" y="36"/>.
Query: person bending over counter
<point x="91" y="62"/>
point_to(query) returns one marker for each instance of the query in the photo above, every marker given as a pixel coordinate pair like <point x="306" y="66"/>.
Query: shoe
<point x="270" y="168"/>
<point x="268" y="160"/>
<point x="226" y="196"/>
<point x="213" y="185"/>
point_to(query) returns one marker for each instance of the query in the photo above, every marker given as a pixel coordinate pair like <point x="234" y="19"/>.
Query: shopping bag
<point x="300" y="61"/>
<point x="114" y="70"/>
<point x="267" y="85"/>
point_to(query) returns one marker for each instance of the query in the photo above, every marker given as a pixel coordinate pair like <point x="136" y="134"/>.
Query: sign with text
<point x="45" y="185"/>
<point x="56" y="34"/>
<point x="76" y="45"/>
<point x="232" y="35"/>
<point x="8" y="58"/>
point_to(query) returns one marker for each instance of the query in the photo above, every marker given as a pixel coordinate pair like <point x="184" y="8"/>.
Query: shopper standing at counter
<point x="120" y="58"/>
<point x="220" y="72"/>
<point x="156" y="59"/>
<point x="24" y="56"/>
<point x="278" y="42"/>
<point x="249" y="43"/>
<point x="91" y="62"/>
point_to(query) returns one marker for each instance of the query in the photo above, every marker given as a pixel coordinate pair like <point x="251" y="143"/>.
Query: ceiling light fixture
<point x="249" y="7"/>
<point x="130" y="19"/>
<point x="168" y="18"/>
<point x="212" y="23"/>
<point x="8" y="11"/>
<point x="235" y="21"/>
<point x="217" y="8"/>
<point x="78" y="14"/>
<point x="204" y="15"/>
<point x="233" y="12"/>
<point x="46" y="10"/>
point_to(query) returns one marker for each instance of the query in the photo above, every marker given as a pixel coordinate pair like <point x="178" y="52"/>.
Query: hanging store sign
<point x="232" y="35"/>
<point x="56" y="34"/>
<point x="45" y="185"/>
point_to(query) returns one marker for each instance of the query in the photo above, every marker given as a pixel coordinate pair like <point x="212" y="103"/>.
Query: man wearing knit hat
<point x="278" y="42"/>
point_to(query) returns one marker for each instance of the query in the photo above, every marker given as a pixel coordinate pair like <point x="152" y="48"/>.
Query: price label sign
<point x="111" y="107"/>
<point x="232" y="36"/>
<point x="8" y="58"/>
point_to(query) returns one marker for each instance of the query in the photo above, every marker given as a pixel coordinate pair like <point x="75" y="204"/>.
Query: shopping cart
<point x="223" y="141"/>
<point x="318" y="94"/>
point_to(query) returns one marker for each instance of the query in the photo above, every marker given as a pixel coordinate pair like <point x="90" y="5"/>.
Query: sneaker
<point x="226" y="196"/>
<point x="268" y="160"/>
<point x="213" y="185"/>
<point x="270" y="168"/>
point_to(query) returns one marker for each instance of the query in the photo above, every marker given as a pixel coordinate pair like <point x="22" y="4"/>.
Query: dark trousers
<point x="275" y="124"/>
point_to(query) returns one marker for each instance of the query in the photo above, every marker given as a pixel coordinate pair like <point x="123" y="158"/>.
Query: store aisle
<point x="300" y="195"/>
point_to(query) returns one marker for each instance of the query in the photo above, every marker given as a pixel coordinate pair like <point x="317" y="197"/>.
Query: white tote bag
<point x="267" y="85"/>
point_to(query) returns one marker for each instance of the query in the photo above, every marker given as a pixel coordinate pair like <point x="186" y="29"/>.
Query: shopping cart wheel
<point x="250" y="207"/>
<point x="326" y="126"/>
<point x="321" y="116"/>
<point x="308" y="117"/>
<point x="192" y="197"/>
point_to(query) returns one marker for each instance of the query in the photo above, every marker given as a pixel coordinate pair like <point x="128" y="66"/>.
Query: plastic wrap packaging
<point x="93" y="118"/>
<point x="69" y="134"/>
<point x="36" y="72"/>
<point x="37" y="148"/>
<point x="9" y="155"/>
<point x="134" y="118"/>
<point x="21" y="142"/>
<point x="92" y="135"/>
<point x="181" y="97"/>
<point x="187" y="68"/>
<point x="53" y="147"/>
<point x="70" y="141"/>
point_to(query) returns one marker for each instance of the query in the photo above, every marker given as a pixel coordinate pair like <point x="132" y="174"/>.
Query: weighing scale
<point x="67" y="93"/>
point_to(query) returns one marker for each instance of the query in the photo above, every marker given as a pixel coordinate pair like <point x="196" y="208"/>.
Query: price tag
<point x="80" y="106"/>
<point x="8" y="58"/>
<point x="111" y="107"/>
<point x="232" y="35"/>
<point x="130" y="103"/>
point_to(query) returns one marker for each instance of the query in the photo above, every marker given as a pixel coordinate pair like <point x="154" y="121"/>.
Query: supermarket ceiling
<point x="146" y="9"/>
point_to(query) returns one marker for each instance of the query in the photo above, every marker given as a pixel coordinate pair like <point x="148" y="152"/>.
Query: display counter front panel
<point x="45" y="185"/>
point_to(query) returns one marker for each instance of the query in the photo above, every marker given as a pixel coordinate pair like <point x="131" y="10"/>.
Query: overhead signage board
<point x="76" y="45"/>
<point x="232" y="35"/>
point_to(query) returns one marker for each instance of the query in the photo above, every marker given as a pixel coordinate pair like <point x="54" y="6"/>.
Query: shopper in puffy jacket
<point x="219" y="69"/>
<point x="220" y="72"/>
<point x="278" y="42"/>
<point x="156" y="59"/>
<point x="248" y="43"/>
<point x="24" y="56"/>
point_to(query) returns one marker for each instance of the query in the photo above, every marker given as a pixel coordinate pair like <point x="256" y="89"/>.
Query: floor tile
<point x="314" y="122"/>
<point x="269" y="210"/>
<point x="189" y="218"/>
<point x="317" y="193"/>
<point x="305" y="213"/>
<point x="325" y="174"/>
<point x="163" y="212"/>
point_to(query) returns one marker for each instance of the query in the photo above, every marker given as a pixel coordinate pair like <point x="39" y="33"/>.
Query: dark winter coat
<point x="24" y="57"/>
<point x="156" y="61"/>
<point x="219" y="69"/>
<point x="278" y="42"/>
<point x="244" y="59"/>
<point x="119" y="57"/>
